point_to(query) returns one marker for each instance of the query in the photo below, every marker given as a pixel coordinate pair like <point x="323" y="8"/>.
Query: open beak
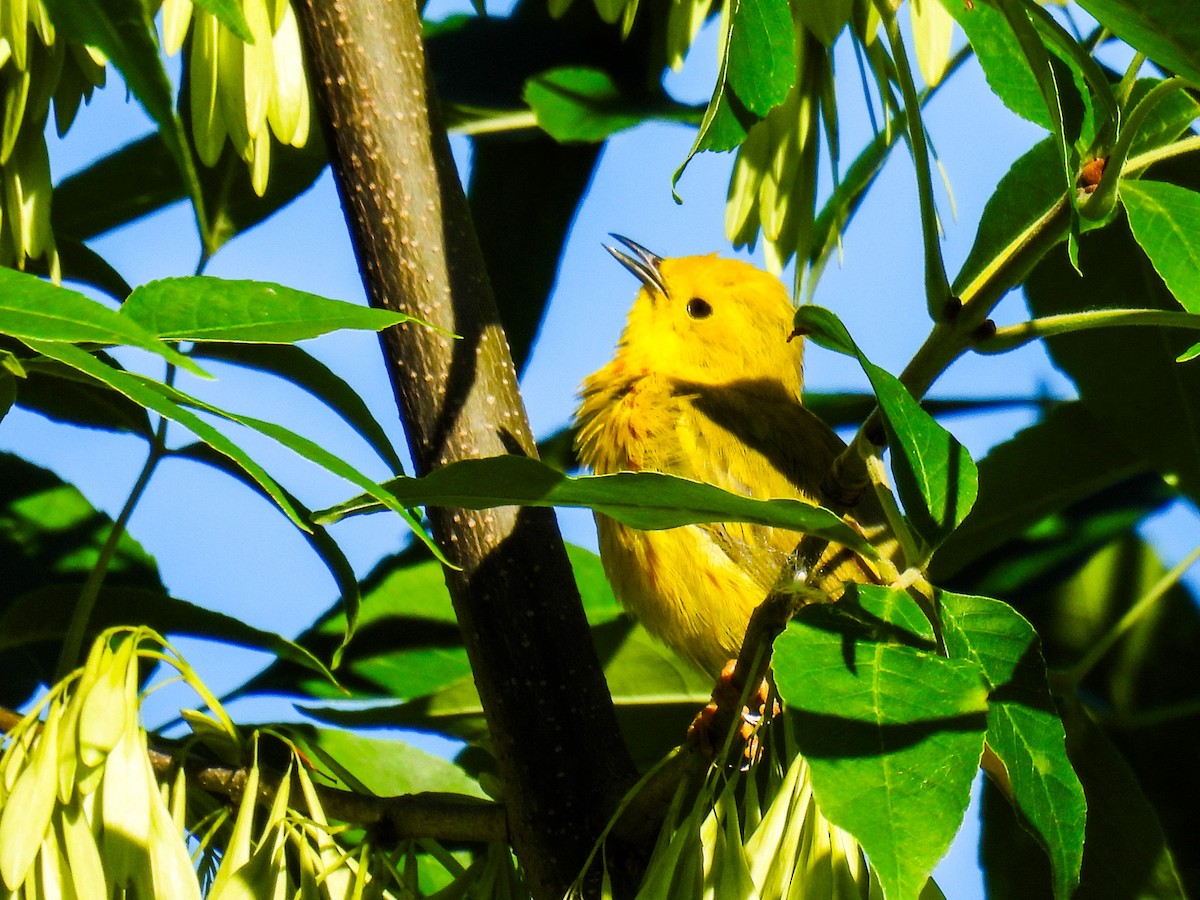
<point x="643" y="264"/>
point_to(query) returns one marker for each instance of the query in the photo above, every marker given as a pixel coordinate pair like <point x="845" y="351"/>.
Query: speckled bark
<point x="550" y="715"/>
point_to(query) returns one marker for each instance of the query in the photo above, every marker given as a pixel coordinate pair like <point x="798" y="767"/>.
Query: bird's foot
<point x="712" y="724"/>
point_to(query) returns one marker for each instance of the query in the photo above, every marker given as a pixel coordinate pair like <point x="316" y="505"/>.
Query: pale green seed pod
<point x="933" y="30"/>
<point x="258" y="67"/>
<point x="208" y="122"/>
<point x="176" y="17"/>
<point x="289" y="109"/>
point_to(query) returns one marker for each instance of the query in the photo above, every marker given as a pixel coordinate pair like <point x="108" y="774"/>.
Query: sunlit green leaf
<point x="762" y="54"/>
<point x="585" y="104"/>
<point x="1024" y="729"/>
<point x="1165" y="30"/>
<point x="645" y="500"/>
<point x="893" y="733"/>
<point x="726" y="120"/>
<point x="384" y="768"/>
<point x="935" y="475"/>
<point x="1165" y="220"/>
<point x="202" y="308"/>
<point x="33" y="309"/>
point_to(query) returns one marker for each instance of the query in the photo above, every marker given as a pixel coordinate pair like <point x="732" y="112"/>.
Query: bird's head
<point x="708" y="320"/>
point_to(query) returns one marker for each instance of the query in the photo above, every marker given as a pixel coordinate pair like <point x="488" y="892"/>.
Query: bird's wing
<point x="754" y="439"/>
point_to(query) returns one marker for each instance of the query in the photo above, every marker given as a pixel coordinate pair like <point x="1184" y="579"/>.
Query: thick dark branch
<point x="552" y="723"/>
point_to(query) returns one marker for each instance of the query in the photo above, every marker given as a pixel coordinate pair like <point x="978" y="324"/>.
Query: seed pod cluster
<point x="36" y="66"/>
<point x="81" y="811"/>
<point x="242" y="92"/>
<point x="773" y="188"/>
<point x="750" y="837"/>
<point x="84" y="815"/>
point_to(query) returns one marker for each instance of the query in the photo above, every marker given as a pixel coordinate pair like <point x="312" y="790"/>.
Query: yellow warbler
<point x="705" y="384"/>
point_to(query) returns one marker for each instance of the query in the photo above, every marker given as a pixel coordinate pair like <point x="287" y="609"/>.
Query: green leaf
<point x="656" y="695"/>
<point x="1125" y="853"/>
<point x="1151" y="413"/>
<point x="645" y="500"/>
<point x="307" y="372"/>
<point x="1024" y="199"/>
<point x="141" y="392"/>
<point x="1165" y="220"/>
<point x="1165" y="30"/>
<point x="33" y="309"/>
<point x="577" y="103"/>
<point x="1024" y="729"/>
<point x="726" y="120"/>
<point x="202" y="308"/>
<point x="935" y="475"/>
<point x="762" y="54"/>
<point x="1066" y="457"/>
<point x="383" y="768"/>
<point x="44" y="613"/>
<point x="1028" y="192"/>
<point x="1004" y="65"/>
<point x="893" y="733"/>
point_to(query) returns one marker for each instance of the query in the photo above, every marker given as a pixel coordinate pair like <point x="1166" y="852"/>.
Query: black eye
<point x="699" y="309"/>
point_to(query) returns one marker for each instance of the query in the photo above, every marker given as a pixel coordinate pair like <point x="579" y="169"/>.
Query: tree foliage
<point x="1033" y="629"/>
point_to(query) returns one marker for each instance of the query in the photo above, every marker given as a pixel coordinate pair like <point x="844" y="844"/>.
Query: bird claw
<point x="725" y="696"/>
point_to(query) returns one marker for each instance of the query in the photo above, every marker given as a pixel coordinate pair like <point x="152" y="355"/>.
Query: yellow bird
<point x="706" y="384"/>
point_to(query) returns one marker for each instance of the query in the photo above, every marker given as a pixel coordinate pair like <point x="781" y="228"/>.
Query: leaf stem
<point x="877" y="472"/>
<point x="1129" y="79"/>
<point x="1075" y="674"/>
<point x="1013" y="336"/>
<point x="937" y="284"/>
<point x="1158" y="154"/>
<point x="82" y="614"/>
<point x="1102" y="200"/>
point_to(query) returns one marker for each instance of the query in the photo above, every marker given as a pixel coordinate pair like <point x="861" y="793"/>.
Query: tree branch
<point x="553" y="727"/>
<point x="441" y="816"/>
